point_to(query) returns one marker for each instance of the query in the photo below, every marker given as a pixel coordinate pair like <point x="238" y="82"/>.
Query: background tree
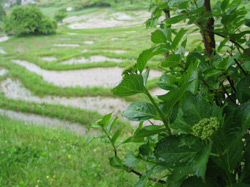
<point x="204" y="138"/>
<point x="2" y="13"/>
<point x="28" y="19"/>
<point x="60" y="15"/>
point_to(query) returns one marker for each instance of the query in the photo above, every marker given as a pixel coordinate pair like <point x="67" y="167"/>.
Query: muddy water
<point x="4" y="38"/>
<point x="103" y="77"/>
<point x="3" y="72"/>
<point x="14" y="90"/>
<point x="105" y="20"/>
<point x="116" y="51"/>
<point x="89" y="42"/>
<point x="49" y="122"/>
<point x="2" y="51"/>
<point x="49" y="58"/>
<point x="95" y="58"/>
<point x="104" y="105"/>
<point x="66" y="45"/>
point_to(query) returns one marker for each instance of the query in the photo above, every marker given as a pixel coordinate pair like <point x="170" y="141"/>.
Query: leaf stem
<point x="115" y="150"/>
<point x="159" y="110"/>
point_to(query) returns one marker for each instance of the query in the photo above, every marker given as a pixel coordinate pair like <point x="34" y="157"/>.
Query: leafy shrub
<point x="28" y="19"/>
<point x="203" y="138"/>
<point x="60" y="15"/>
<point x="2" y="13"/>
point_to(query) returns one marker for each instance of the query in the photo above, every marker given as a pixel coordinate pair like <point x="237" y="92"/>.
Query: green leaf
<point x="103" y="122"/>
<point x="140" y="111"/>
<point x="178" y="38"/>
<point x="224" y="64"/>
<point x="246" y="66"/>
<point x="235" y="154"/>
<point x="200" y="163"/>
<point x="131" y="161"/>
<point x="172" y="97"/>
<point x="243" y="90"/>
<point x="149" y="131"/>
<point x="130" y="85"/>
<point x="175" y="19"/>
<point x="115" y="162"/>
<point x="212" y="73"/>
<point x="145" y="75"/>
<point x="144" y="178"/>
<point x="224" y="5"/>
<point x="238" y="185"/>
<point x="178" y="175"/>
<point x="143" y="58"/>
<point x="176" y="151"/>
<point x="111" y="124"/>
<point x="195" y="109"/>
<point x="193" y="182"/>
<point x="116" y="135"/>
<point x="158" y="37"/>
<point x="246" y="171"/>
<point x="247" y="22"/>
<point x="145" y="150"/>
<point x="171" y="61"/>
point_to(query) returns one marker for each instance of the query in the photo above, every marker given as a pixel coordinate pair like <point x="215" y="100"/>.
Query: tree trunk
<point x="208" y="31"/>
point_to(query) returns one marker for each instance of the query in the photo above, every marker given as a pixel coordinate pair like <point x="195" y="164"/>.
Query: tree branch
<point x="234" y="42"/>
<point x="150" y="178"/>
<point x="241" y="68"/>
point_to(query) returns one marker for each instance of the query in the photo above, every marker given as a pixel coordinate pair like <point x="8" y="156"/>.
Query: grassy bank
<point x="36" y="155"/>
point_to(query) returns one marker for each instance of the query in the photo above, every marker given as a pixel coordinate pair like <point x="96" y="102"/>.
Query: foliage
<point x="60" y="15"/>
<point x="203" y="138"/>
<point x="2" y="13"/>
<point x="28" y="19"/>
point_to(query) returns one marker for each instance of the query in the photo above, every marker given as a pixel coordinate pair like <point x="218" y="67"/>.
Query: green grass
<point x="36" y="155"/>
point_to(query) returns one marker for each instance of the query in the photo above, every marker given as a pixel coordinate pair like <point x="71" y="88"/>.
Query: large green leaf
<point x="116" y="135"/>
<point x="143" y="58"/>
<point x="140" y="111"/>
<point x="175" y="19"/>
<point x="171" y="61"/>
<point x="200" y="163"/>
<point x="178" y="38"/>
<point x="234" y="154"/>
<point x="178" y="175"/>
<point x="174" y="151"/>
<point x="195" y="109"/>
<point x="193" y="182"/>
<point x="172" y="97"/>
<point x="158" y="37"/>
<point x="243" y="90"/>
<point x="130" y="85"/>
<point x="130" y="160"/>
<point x="149" y="131"/>
<point x="246" y="171"/>
<point x="115" y="162"/>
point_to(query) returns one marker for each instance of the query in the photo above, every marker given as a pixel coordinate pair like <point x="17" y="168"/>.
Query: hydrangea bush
<point x="203" y="138"/>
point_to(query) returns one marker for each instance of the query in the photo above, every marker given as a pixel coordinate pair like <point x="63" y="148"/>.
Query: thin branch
<point x="159" y="111"/>
<point x="231" y="83"/>
<point x="224" y="89"/>
<point x="150" y="178"/>
<point x="241" y="68"/>
<point x="234" y="42"/>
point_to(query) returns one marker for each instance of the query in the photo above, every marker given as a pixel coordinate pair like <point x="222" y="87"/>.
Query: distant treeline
<point x="81" y="4"/>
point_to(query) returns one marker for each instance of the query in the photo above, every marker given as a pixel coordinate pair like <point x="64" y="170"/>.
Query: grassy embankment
<point x="36" y="155"/>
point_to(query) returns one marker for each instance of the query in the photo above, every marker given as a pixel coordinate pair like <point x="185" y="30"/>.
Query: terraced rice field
<point x="75" y="68"/>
